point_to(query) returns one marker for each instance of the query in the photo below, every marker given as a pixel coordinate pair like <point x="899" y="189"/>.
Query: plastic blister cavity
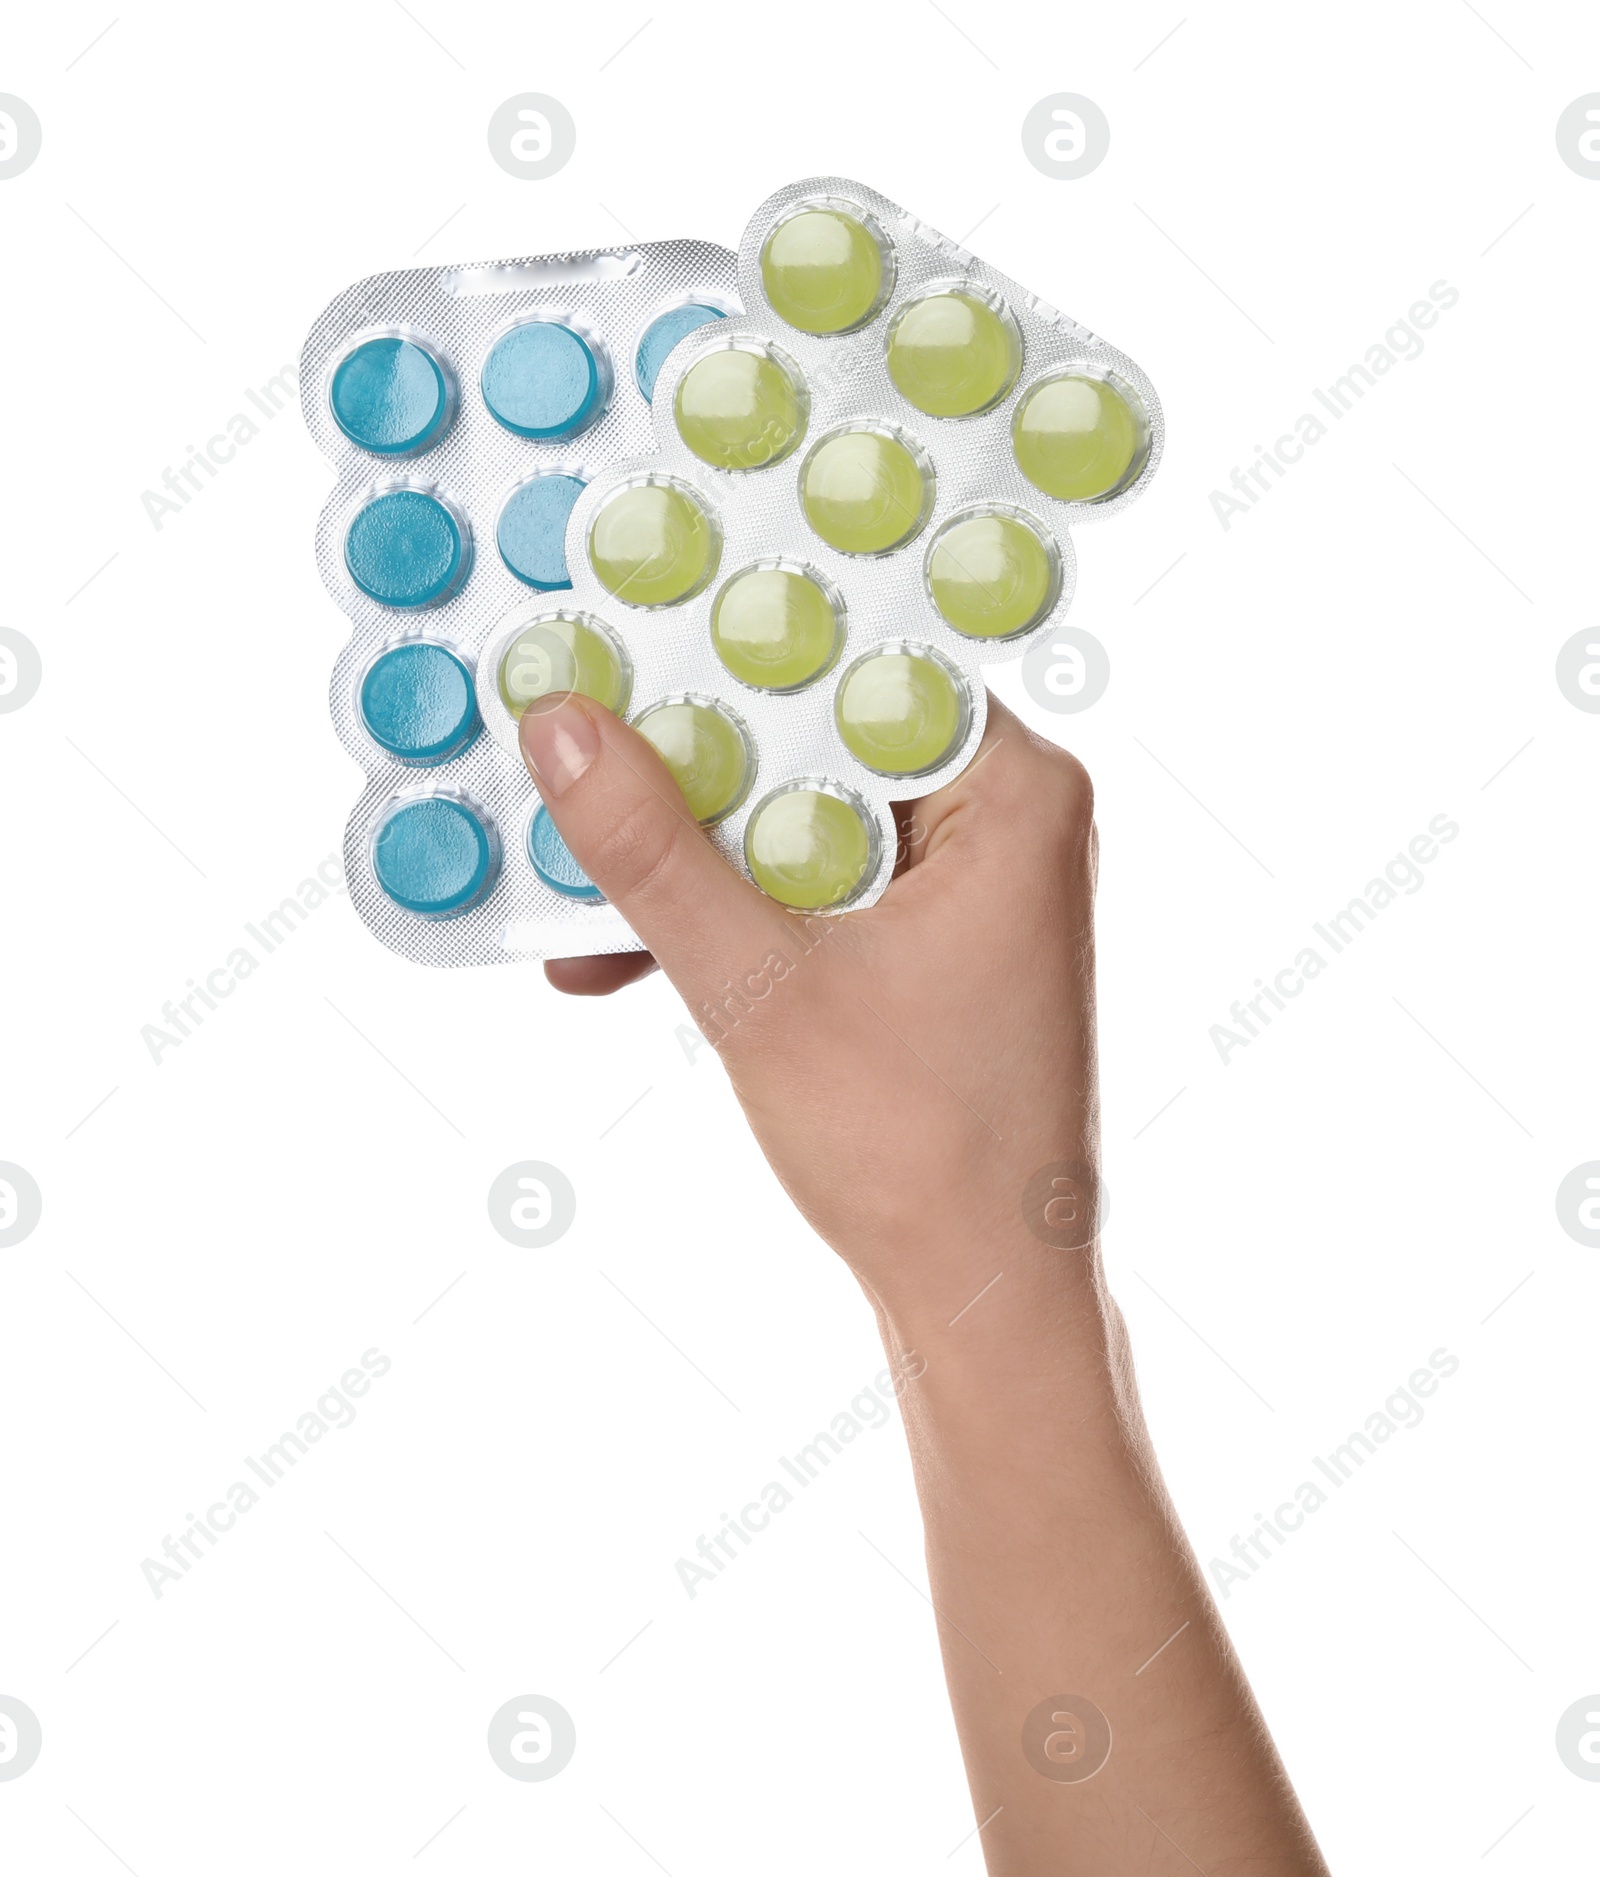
<point x="435" y="855"/>
<point x="417" y="703"/>
<point x="392" y="394"/>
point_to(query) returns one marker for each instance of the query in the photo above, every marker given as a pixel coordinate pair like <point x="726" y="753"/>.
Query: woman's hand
<point x="921" y="1075"/>
<point x="907" y="1069"/>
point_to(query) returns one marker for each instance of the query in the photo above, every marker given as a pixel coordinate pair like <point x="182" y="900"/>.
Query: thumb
<point x="624" y="818"/>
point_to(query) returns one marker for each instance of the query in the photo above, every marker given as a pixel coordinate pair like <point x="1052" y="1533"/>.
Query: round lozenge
<point x="531" y="532"/>
<point x="901" y="711"/>
<point x="707" y="751"/>
<point x="662" y="334"/>
<point x="406" y="548"/>
<point x="775" y="628"/>
<point x="653" y="544"/>
<point x="953" y="354"/>
<point x="865" y="491"/>
<point x="559" y="653"/>
<point x="1078" y="438"/>
<point x="809" y="848"/>
<point x="543" y="380"/>
<point x="552" y="860"/>
<point x="739" y="408"/>
<point x="822" y="270"/>
<point x="435" y="857"/>
<point x="390" y="395"/>
<point x="417" y="702"/>
<point x="992" y="574"/>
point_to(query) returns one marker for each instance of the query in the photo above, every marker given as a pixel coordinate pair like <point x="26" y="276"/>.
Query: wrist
<point x="999" y="1344"/>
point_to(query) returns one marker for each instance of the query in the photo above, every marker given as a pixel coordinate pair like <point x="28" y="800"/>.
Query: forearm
<point x="1058" y="1569"/>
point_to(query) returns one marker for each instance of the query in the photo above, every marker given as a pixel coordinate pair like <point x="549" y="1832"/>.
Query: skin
<point x="906" y="1107"/>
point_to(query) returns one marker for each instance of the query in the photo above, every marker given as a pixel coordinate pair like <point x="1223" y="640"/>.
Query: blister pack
<point x="856" y="492"/>
<point x="464" y="409"/>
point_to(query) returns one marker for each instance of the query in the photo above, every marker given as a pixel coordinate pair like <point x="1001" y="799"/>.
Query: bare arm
<point x="922" y="1078"/>
<point x="1100" y="1707"/>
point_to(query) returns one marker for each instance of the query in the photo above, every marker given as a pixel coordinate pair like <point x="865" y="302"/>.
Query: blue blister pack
<point x="465" y="409"/>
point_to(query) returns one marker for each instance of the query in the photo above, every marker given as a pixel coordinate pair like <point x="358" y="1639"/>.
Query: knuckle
<point x="1077" y="787"/>
<point x="1068" y="788"/>
<point x="1047" y="786"/>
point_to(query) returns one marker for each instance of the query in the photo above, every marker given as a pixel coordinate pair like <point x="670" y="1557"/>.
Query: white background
<point x="1368" y="648"/>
